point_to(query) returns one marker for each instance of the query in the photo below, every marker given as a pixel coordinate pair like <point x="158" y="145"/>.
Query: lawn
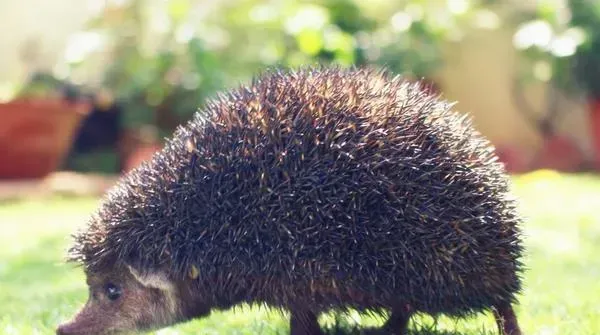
<point x="562" y="285"/>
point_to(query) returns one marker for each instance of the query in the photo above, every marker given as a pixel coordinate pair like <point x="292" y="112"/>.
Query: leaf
<point x="177" y="9"/>
<point x="310" y="42"/>
<point x="548" y="11"/>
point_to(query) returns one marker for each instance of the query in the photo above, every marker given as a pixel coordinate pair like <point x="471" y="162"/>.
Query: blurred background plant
<point x="167" y="57"/>
<point x="148" y="65"/>
<point x="98" y="85"/>
<point x="560" y="44"/>
<point x="160" y="60"/>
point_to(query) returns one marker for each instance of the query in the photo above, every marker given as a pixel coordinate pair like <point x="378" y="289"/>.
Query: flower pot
<point x="140" y="154"/>
<point x="137" y="146"/>
<point x="559" y="153"/>
<point x="594" y="111"/>
<point x="35" y="135"/>
<point x="514" y="159"/>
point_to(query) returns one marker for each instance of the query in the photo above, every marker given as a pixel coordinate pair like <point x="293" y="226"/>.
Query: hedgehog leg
<point x="303" y="322"/>
<point x="506" y="320"/>
<point x="397" y="323"/>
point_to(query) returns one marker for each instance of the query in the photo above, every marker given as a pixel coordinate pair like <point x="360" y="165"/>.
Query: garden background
<point x="89" y="89"/>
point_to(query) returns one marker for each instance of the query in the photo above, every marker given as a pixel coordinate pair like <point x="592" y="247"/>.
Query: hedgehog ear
<point x="155" y="279"/>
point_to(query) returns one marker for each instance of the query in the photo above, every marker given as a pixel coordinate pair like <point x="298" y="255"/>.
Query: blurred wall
<point x="477" y="74"/>
<point x="41" y="26"/>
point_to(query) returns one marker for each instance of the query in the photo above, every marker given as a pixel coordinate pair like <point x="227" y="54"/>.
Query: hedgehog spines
<point x="313" y="177"/>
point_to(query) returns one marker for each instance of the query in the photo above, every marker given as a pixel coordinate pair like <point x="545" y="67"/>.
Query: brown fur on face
<point x="146" y="302"/>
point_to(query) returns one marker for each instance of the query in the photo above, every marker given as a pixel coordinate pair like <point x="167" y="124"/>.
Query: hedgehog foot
<point x="397" y="324"/>
<point x="304" y="322"/>
<point x="506" y="320"/>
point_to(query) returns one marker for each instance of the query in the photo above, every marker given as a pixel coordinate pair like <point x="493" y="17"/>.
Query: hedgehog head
<point x="123" y="299"/>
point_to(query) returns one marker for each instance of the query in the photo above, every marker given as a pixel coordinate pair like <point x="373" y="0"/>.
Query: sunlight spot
<point x="566" y="44"/>
<point x="547" y="330"/>
<point x="263" y="13"/>
<point x="96" y="6"/>
<point x="401" y="21"/>
<point x="184" y="33"/>
<point x="535" y="33"/>
<point x="7" y="91"/>
<point x="458" y="6"/>
<point x="81" y="44"/>
<point x="308" y="17"/>
<point x="416" y="11"/>
<point x="486" y="19"/>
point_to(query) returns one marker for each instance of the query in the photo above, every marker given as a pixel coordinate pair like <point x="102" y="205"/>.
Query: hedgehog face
<point x="125" y="301"/>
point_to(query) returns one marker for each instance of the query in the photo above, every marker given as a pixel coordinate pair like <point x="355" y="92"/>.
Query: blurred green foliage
<point x="162" y="59"/>
<point x="586" y="16"/>
<point x="561" y="44"/>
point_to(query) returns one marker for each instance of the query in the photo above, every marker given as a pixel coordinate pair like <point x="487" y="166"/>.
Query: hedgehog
<point x="307" y="190"/>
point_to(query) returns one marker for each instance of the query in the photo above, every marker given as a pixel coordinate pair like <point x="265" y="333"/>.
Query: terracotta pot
<point x="559" y="153"/>
<point x="35" y="135"/>
<point x="139" y="155"/>
<point x="136" y="146"/>
<point x="514" y="159"/>
<point x="594" y="110"/>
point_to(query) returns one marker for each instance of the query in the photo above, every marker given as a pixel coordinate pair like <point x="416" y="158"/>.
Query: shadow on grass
<point x="416" y="327"/>
<point x="358" y="331"/>
<point x="410" y="332"/>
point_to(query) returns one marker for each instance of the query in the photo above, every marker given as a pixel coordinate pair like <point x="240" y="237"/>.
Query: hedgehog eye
<point x="113" y="292"/>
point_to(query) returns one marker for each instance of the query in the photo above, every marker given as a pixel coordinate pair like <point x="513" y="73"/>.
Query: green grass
<point x="562" y="285"/>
